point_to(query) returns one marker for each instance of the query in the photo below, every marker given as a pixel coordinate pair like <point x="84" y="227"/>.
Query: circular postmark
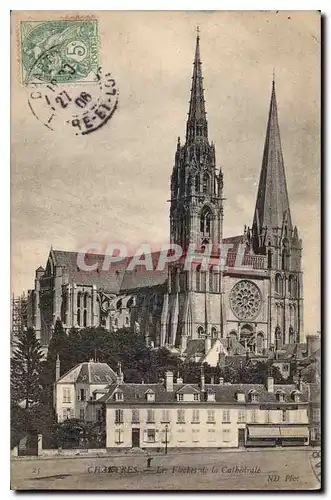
<point x="83" y="107"/>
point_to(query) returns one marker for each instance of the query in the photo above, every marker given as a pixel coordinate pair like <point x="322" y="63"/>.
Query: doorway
<point x="135" y="438"/>
<point x="241" y="438"/>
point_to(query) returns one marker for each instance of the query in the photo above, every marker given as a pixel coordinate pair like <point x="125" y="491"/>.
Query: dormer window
<point x="253" y="396"/>
<point x="210" y="396"/>
<point x="150" y="396"/>
<point x="241" y="397"/>
<point x="280" y="396"/>
<point x="296" y="396"/>
<point x="118" y="396"/>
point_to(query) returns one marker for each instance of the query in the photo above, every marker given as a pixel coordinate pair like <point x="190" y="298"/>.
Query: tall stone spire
<point x="196" y="127"/>
<point x="272" y="208"/>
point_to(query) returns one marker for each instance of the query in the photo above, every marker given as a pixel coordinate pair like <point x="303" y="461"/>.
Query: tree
<point x="26" y="365"/>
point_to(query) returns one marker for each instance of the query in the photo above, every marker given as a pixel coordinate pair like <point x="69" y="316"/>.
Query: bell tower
<point x="273" y="235"/>
<point x="196" y="218"/>
<point x="196" y="185"/>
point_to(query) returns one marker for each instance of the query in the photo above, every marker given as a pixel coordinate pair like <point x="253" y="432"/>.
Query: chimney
<point x="120" y="375"/>
<point x="207" y="344"/>
<point x="270" y="384"/>
<point x="202" y="380"/>
<point x="221" y="381"/>
<point x="179" y="379"/>
<point x="169" y="383"/>
<point x="300" y="383"/>
<point x="57" y="368"/>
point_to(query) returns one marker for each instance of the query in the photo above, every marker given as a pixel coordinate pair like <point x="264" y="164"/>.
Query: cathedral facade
<point x="250" y="288"/>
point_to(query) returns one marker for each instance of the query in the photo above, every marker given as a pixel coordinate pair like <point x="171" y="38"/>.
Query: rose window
<point x="245" y="300"/>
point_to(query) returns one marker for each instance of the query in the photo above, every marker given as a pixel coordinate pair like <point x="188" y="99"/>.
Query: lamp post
<point x="166" y="439"/>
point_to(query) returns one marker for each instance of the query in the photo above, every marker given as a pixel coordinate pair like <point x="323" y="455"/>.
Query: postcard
<point x="165" y="213"/>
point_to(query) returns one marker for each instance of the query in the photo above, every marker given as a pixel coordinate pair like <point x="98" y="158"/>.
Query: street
<point x="241" y="470"/>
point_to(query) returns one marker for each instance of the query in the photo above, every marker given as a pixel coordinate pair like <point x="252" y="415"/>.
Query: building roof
<point x="226" y="393"/>
<point x="113" y="280"/>
<point x="89" y="373"/>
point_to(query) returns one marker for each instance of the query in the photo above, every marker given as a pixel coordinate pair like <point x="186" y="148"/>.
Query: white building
<point x="178" y="415"/>
<point x="73" y="390"/>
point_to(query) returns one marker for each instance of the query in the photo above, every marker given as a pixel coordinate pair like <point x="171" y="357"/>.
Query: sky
<point x="113" y="185"/>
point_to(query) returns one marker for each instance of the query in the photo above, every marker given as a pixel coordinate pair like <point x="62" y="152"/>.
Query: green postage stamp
<point x="64" y="51"/>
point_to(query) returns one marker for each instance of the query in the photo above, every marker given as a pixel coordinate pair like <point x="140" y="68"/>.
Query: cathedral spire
<point x="272" y="208"/>
<point x="196" y="127"/>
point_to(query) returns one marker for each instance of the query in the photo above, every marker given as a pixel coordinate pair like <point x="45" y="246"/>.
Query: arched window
<point x="78" y="317"/>
<point x="85" y="299"/>
<point x="78" y="299"/>
<point x="279" y="284"/>
<point x="203" y="281"/>
<point x="232" y="338"/>
<point x="291" y="335"/>
<point x="201" y="332"/>
<point x="85" y="318"/>
<point x="269" y="258"/>
<point x="205" y="221"/>
<point x="119" y="304"/>
<point x="130" y="303"/>
<point x="285" y="256"/>
<point x="197" y="279"/>
<point x="259" y="342"/>
<point x="214" y="332"/>
<point x="205" y="186"/>
<point x="197" y="183"/>
<point x="292" y="288"/>
<point x="211" y="281"/>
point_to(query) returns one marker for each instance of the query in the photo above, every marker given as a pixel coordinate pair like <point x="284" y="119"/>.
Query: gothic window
<point x="259" y="342"/>
<point x="214" y="332"/>
<point x="279" y="284"/>
<point x="291" y="335"/>
<point x="182" y="281"/>
<point x="197" y="277"/>
<point x="205" y="221"/>
<point x="130" y="303"/>
<point x="292" y="285"/>
<point x="197" y="183"/>
<point x="285" y="256"/>
<point x="205" y="186"/>
<point x="201" y="332"/>
<point x="232" y="338"/>
<point x="245" y="300"/>
<point x="269" y="259"/>
<point x="211" y="281"/>
<point x="203" y="280"/>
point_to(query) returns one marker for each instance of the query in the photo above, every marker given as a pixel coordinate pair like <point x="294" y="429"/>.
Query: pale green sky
<point x="113" y="185"/>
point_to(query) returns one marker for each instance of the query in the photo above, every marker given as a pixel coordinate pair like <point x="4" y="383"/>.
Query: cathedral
<point x="252" y="297"/>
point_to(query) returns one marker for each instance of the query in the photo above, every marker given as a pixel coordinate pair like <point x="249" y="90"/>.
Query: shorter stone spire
<point x="272" y="205"/>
